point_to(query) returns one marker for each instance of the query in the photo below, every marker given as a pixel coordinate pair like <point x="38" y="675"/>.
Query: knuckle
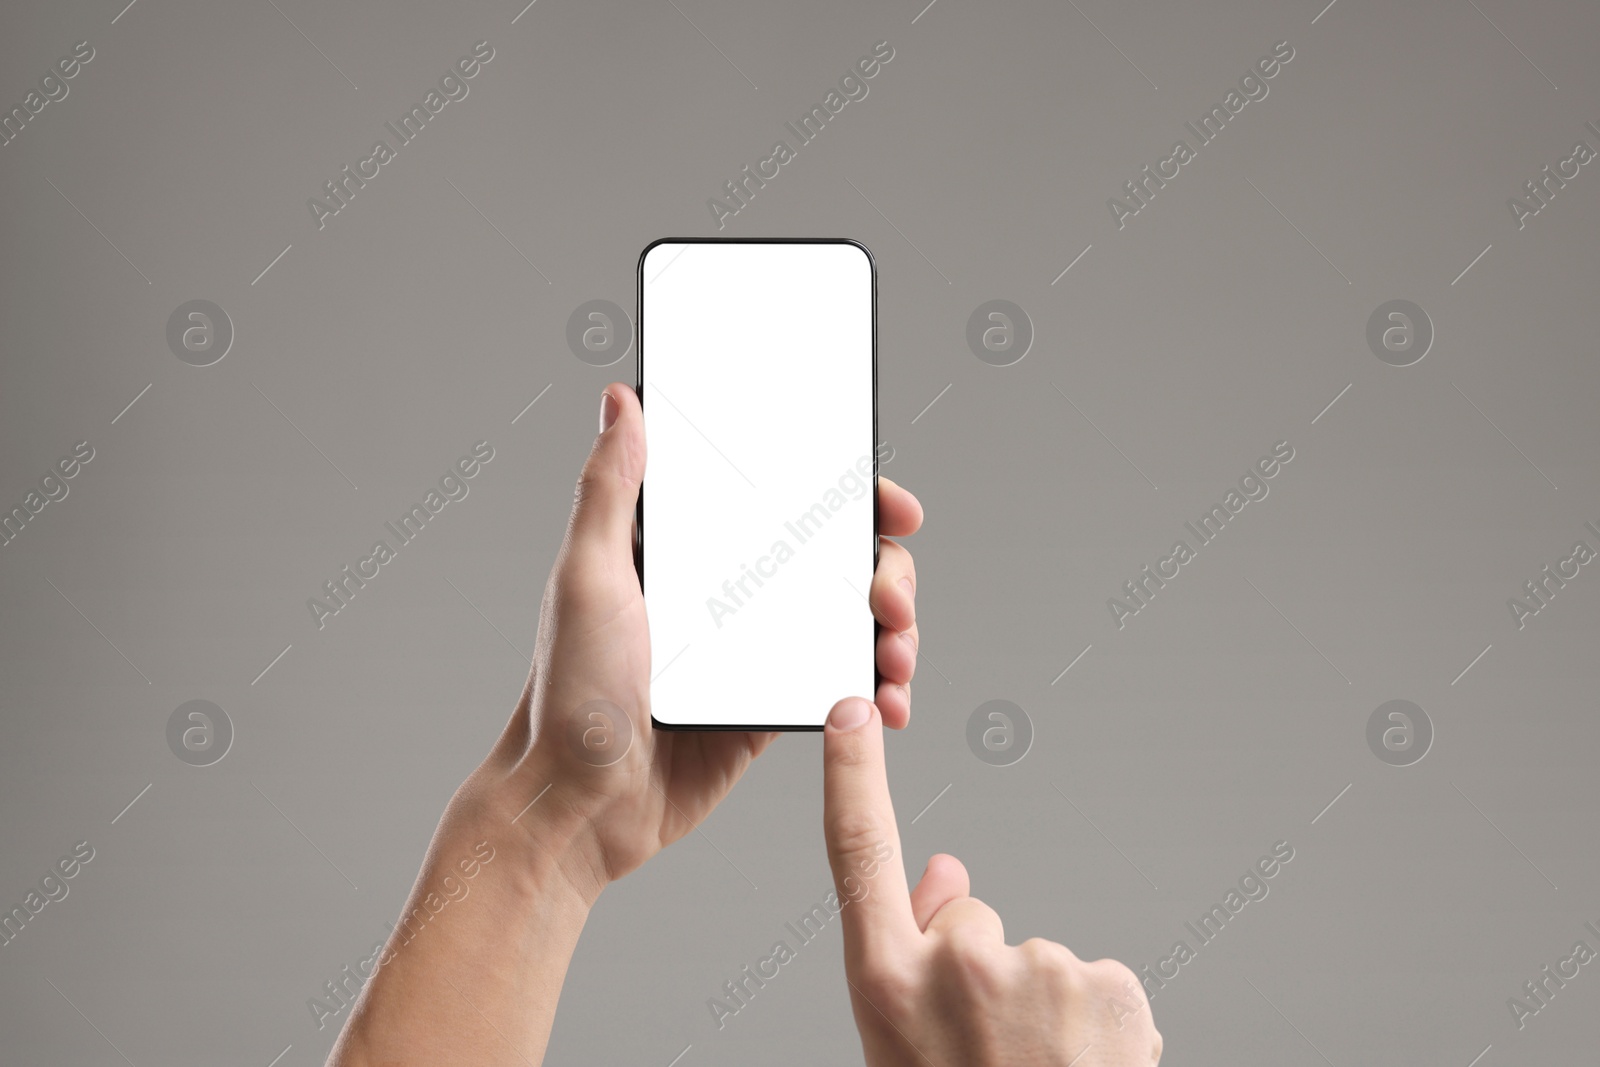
<point x="586" y="489"/>
<point x="592" y="481"/>
<point x="1036" y="950"/>
<point x="1112" y="975"/>
<point x="886" y="987"/>
<point x="1044" y="955"/>
<point x="1074" y="981"/>
<point x="851" y="750"/>
<point x="964" y="943"/>
<point x="1064" y="973"/>
<point x="853" y="833"/>
<point x="1115" y="983"/>
<point x="969" y="953"/>
<point x="906" y="565"/>
<point x="602" y="470"/>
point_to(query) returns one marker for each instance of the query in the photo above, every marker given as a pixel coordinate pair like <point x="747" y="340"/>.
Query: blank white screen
<point x="757" y="384"/>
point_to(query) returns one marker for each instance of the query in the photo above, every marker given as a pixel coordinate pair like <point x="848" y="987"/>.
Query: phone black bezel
<point x="638" y="388"/>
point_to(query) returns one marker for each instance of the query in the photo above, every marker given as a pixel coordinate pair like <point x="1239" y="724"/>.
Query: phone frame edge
<point x="638" y="389"/>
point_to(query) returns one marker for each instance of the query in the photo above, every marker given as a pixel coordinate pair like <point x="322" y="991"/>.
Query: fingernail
<point x="905" y="583"/>
<point x="905" y="636"/>
<point x="849" y="714"/>
<point x="608" y="410"/>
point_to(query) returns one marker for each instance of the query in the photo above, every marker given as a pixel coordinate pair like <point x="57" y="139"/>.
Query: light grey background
<point x="1223" y="318"/>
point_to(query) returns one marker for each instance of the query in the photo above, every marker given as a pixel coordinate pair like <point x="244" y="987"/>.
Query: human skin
<point x="478" y="980"/>
<point x="932" y="980"/>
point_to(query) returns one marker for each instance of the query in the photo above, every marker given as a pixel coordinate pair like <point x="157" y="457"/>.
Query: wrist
<point x="537" y="816"/>
<point x="487" y="931"/>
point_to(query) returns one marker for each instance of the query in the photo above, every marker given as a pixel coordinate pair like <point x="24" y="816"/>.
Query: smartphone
<point x="757" y="524"/>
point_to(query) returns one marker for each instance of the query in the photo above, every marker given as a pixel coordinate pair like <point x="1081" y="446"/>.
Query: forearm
<point x="473" y="970"/>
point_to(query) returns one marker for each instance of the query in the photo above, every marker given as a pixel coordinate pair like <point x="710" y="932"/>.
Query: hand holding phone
<point x="618" y="791"/>
<point x="578" y="790"/>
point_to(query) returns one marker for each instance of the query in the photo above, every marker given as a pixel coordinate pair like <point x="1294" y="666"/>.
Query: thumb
<point x="863" y="840"/>
<point x="608" y="488"/>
